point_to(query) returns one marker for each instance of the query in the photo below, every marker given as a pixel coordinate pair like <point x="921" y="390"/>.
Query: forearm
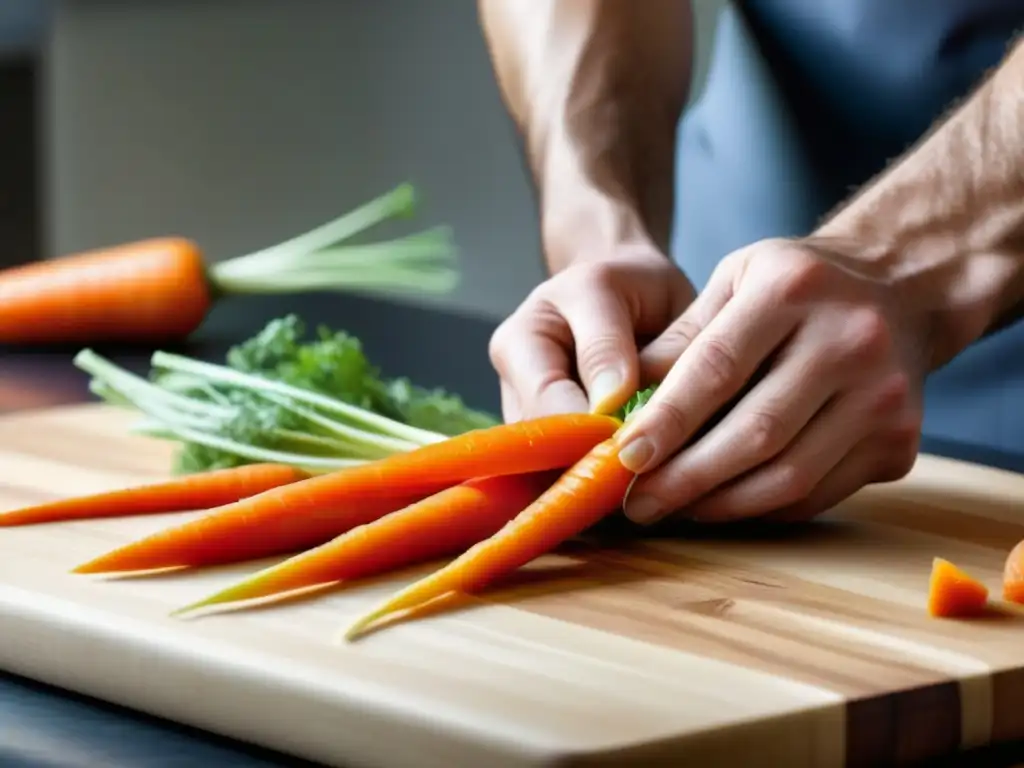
<point x="946" y="223"/>
<point x="596" y="88"/>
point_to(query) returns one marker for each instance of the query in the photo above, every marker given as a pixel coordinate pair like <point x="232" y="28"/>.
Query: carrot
<point x="437" y="526"/>
<point x="1013" y="575"/>
<point x="191" y="492"/>
<point x="160" y="289"/>
<point x="953" y="593"/>
<point x="585" y="493"/>
<point x="313" y="511"/>
<point x="153" y="289"/>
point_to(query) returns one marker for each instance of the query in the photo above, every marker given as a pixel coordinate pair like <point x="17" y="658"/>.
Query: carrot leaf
<point x="636" y="402"/>
<point x="317" y="404"/>
<point x="325" y="259"/>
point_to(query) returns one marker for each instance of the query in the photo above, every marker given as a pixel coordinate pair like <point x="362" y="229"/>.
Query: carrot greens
<point x="315" y="404"/>
<point x="324" y="259"/>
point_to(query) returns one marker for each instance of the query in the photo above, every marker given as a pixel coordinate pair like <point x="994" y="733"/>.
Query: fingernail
<point x="636" y="454"/>
<point x="643" y="510"/>
<point x="605" y="385"/>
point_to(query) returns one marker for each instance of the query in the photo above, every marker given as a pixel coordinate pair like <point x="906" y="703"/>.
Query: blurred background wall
<point x="242" y="122"/>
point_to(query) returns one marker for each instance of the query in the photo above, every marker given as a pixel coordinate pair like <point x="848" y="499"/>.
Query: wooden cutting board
<point x="808" y="650"/>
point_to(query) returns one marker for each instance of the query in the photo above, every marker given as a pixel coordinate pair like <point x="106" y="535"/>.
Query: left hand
<point x="839" y="407"/>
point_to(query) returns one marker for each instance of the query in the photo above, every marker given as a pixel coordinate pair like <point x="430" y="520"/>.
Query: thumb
<point x="607" y="360"/>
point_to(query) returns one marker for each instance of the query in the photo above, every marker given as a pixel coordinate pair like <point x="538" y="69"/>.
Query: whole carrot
<point x="588" y="491"/>
<point x="154" y="289"/>
<point x="191" y="492"/>
<point x="440" y="525"/>
<point x="160" y="289"/>
<point x="311" y="512"/>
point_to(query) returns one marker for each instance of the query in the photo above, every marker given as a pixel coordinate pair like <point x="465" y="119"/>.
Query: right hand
<point x="571" y="346"/>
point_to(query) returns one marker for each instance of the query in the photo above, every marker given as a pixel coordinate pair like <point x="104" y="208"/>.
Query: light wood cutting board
<point x="809" y="650"/>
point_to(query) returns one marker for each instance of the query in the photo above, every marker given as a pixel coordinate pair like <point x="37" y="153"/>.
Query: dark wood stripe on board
<point x="901" y="709"/>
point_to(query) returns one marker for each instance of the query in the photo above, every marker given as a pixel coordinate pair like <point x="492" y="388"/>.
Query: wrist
<point x="580" y="223"/>
<point x="957" y="294"/>
<point x="592" y="210"/>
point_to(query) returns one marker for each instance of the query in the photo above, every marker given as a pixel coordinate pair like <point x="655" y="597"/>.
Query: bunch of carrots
<point x="494" y="498"/>
<point x="161" y="289"/>
<point x="497" y="497"/>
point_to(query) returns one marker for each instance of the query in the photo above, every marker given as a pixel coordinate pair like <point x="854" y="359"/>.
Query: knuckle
<point x="601" y="351"/>
<point x="681" y="333"/>
<point x="599" y="275"/>
<point x="802" y="279"/>
<point x="668" y="418"/>
<point x="764" y="434"/>
<point x="892" y="394"/>
<point x="498" y="343"/>
<point x="793" y="484"/>
<point x="717" y="365"/>
<point x="866" y="334"/>
<point x="550" y="384"/>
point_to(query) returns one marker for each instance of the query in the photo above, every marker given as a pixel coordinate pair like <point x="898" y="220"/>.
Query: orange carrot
<point x="1013" y="575"/>
<point x="591" y="489"/>
<point x="159" y="289"/>
<point x="953" y="593"/>
<point x="153" y="289"/>
<point x="192" y="492"/>
<point x="438" y="526"/>
<point x="311" y="512"/>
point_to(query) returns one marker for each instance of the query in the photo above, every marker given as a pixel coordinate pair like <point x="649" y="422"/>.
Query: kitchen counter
<point x="43" y="726"/>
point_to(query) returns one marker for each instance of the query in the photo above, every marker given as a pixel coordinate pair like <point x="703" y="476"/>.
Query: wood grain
<point x="805" y="649"/>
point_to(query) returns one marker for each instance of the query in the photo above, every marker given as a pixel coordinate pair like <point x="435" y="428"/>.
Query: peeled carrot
<point x="160" y="289"/>
<point x="1013" y="575"/>
<point x="153" y="289"/>
<point x="439" y="525"/>
<point x="311" y="512"/>
<point x="591" y="489"/>
<point x="203" y="490"/>
<point x="952" y="593"/>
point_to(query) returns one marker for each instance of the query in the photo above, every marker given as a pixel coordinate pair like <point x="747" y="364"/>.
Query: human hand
<point x="571" y="346"/>
<point x="838" y="408"/>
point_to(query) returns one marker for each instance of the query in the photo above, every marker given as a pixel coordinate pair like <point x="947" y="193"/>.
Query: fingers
<point x="658" y="357"/>
<point x="606" y="355"/>
<point x="710" y="371"/>
<point x="510" y="410"/>
<point x="795" y="474"/>
<point x="845" y="479"/>
<point x="530" y="352"/>
<point x="760" y="427"/>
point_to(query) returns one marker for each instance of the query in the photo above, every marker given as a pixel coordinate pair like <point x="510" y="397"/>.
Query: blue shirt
<point x="805" y="101"/>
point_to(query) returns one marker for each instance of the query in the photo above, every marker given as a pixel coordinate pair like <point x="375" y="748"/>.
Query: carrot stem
<point x="592" y="488"/>
<point x="368" y="436"/>
<point x="367" y="419"/>
<point x="437" y="526"/>
<point x="306" y="462"/>
<point x="400" y="202"/>
<point x="424" y="262"/>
